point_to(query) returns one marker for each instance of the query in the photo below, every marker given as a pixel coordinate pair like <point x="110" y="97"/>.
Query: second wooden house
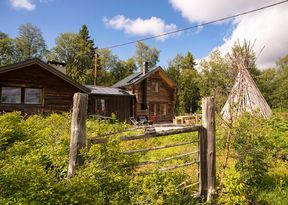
<point x="155" y="94"/>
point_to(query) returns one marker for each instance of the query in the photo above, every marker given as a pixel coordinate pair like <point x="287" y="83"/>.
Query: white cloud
<point x="140" y="27"/>
<point x="268" y="27"/>
<point x="23" y="4"/>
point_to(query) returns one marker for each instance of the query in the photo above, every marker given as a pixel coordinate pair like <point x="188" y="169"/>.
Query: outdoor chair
<point x="144" y="120"/>
<point x="135" y="122"/>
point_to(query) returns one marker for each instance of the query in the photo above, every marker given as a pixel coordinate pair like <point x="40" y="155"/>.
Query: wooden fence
<point x="206" y="144"/>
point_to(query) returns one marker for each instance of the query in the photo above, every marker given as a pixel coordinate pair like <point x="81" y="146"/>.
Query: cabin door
<point x="153" y="112"/>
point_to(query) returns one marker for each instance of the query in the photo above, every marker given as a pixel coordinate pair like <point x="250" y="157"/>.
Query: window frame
<point x="102" y="102"/>
<point x="22" y="96"/>
<point x="155" y="86"/>
<point x="163" y="107"/>
<point x="9" y="103"/>
<point x="41" y="96"/>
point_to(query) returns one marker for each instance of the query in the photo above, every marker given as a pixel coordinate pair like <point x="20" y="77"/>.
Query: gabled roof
<point x="100" y="90"/>
<point x="51" y="69"/>
<point x="138" y="77"/>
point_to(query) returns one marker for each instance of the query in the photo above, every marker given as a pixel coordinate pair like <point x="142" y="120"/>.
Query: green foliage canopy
<point x="30" y="43"/>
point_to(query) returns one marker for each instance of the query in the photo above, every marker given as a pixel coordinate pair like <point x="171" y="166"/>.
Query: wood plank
<point x="202" y="146"/>
<point x="78" y="132"/>
<point x="208" y="113"/>
<point x="96" y="140"/>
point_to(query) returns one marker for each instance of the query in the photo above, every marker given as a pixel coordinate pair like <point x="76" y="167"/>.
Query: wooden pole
<point x="208" y="118"/>
<point x="95" y="66"/>
<point x="78" y="132"/>
<point x="202" y="162"/>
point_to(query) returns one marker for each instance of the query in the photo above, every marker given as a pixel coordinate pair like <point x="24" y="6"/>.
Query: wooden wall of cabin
<point x="121" y="106"/>
<point x="165" y="95"/>
<point x="57" y="94"/>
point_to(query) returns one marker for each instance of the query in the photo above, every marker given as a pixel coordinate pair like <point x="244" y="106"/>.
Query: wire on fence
<point x="160" y="147"/>
<point x="170" y="168"/>
<point x="190" y="185"/>
<point x="167" y="159"/>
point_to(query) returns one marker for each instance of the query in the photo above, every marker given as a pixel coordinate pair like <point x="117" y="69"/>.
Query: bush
<point x="34" y="160"/>
<point x="255" y="146"/>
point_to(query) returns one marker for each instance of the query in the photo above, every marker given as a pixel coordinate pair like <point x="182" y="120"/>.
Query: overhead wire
<point x="198" y="25"/>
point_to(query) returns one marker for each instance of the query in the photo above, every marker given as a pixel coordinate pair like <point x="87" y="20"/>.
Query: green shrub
<point x="34" y="159"/>
<point x="255" y="146"/>
<point x="10" y="129"/>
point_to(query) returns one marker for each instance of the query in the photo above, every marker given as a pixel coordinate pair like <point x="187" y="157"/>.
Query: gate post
<point x="202" y="146"/>
<point x="208" y="119"/>
<point x="78" y="132"/>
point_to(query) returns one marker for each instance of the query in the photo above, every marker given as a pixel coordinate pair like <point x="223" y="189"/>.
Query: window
<point x="155" y="86"/>
<point x="11" y="95"/>
<point x="33" y="96"/>
<point x="100" y="106"/>
<point x="16" y="95"/>
<point x="163" y="109"/>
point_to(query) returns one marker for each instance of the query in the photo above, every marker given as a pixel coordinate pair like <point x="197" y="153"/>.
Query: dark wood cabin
<point x="155" y="94"/>
<point x="104" y="101"/>
<point x="33" y="86"/>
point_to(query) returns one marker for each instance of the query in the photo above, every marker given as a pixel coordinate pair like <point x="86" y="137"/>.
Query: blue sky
<point x="112" y="22"/>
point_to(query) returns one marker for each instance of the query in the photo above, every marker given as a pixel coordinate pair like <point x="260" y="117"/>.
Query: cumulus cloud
<point x="23" y="4"/>
<point x="140" y="27"/>
<point x="267" y="27"/>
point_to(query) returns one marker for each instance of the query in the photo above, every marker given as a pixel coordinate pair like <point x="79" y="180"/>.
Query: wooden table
<point x="186" y="119"/>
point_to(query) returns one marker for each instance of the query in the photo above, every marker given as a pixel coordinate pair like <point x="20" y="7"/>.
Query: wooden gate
<point x="205" y="151"/>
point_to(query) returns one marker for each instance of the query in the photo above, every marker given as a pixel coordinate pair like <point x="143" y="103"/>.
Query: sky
<point x="112" y="22"/>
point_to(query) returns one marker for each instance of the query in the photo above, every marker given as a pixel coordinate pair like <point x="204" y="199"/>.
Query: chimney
<point x="145" y="68"/>
<point x="58" y="65"/>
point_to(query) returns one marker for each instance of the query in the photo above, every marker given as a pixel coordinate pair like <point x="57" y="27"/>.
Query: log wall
<point x="165" y="95"/>
<point x="57" y="94"/>
<point x="120" y="105"/>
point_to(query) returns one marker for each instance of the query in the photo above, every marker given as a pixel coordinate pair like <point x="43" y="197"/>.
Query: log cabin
<point x="34" y="87"/>
<point x="155" y="94"/>
<point x="105" y="101"/>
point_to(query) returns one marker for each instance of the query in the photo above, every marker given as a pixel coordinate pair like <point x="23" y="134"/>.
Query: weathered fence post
<point x="78" y="132"/>
<point x="202" y="162"/>
<point x="208" y="119"/>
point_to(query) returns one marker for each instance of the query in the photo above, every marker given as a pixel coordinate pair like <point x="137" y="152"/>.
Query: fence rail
<point x="206" y="145"/>
<point x="102" y="139"/>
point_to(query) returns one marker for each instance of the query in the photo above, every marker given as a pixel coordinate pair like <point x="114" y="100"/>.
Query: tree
<point x="66" y="50"/>
<point x="123" y="68"/>
<point x="216" y="78"/>
<point x="266" y="84"/>
<point x="87" y="54"/>
<point x="76" y="50"/>
<point x="242" y="56"/>
<point x="144" y="53"/>
<point x="7" y="50"/>
<point x="279" y="85"/>
<point x="30" y="43"/>
<point x="181" y="70"/>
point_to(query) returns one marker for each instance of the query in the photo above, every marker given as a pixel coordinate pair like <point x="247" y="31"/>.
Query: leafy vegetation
<point x="258" y="164"/>
<point x="34" y="159"/>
